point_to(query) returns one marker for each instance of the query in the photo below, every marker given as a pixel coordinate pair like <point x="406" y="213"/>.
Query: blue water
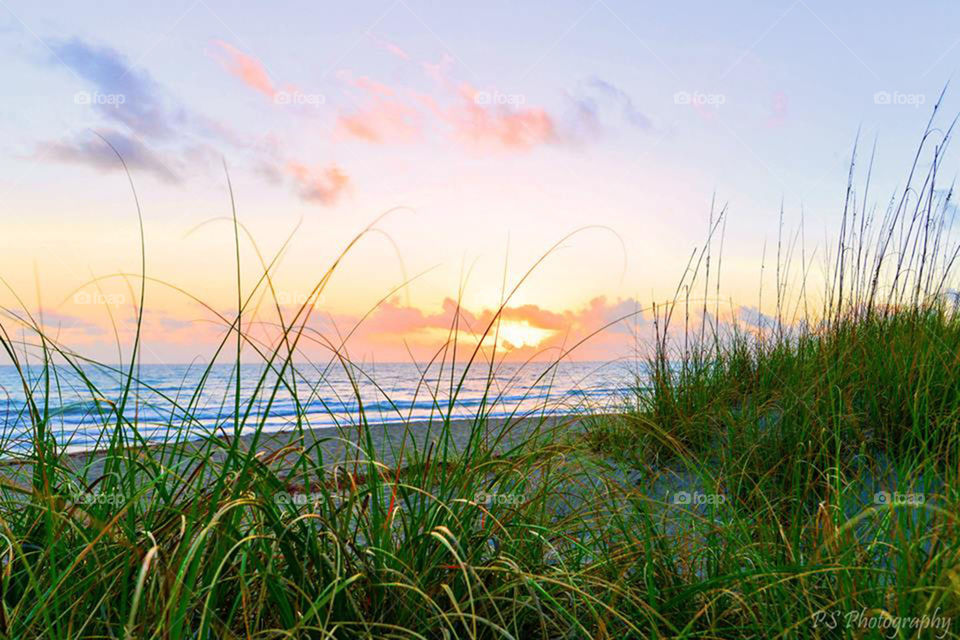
<point x="79" y="413"/>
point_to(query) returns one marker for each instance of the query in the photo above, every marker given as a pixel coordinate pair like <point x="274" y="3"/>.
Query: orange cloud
<point x="323" y="185"/>
<point x="247" y="68"/>
<point x="525" y="331"/>
<point x="392" y="332"/>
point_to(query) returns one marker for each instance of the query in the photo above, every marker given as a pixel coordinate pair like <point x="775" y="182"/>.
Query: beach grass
<point x="795" y="476"/>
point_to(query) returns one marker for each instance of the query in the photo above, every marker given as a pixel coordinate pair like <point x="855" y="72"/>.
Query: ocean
<point x="192" y="401"/>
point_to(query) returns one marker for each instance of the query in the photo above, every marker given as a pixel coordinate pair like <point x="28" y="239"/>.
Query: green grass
<point x="784" y="435"/>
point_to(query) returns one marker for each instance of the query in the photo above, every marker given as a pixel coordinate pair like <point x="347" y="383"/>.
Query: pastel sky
<point x="493" y="129"/>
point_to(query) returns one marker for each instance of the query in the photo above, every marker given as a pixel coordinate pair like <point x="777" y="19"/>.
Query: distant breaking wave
<point x="176" y="400"/>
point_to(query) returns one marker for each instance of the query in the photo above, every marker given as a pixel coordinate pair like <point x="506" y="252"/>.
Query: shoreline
<point x="337" y="444"/>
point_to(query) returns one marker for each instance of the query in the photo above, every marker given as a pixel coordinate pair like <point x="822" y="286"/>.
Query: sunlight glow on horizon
<point x="487" y="144"/>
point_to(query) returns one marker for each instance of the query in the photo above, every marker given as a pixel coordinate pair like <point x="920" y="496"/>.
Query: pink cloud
<point x="247" y="68"/>
<point x="499" y="125"/>
<point x="323" y="185"/>
<point x="473" y="119"/>
<point x="385" y="118"/>
<point x="439" y="71"/>
<point x="383" y="121"/>
<point x="397" y="51"/>
<point x="365" y="84"/>
<point x="392" y="48"/>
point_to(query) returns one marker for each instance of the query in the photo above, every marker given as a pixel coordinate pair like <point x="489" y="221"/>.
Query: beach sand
<point x="391" y="443"/>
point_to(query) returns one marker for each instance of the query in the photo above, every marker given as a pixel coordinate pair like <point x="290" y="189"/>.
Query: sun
<point x="516" y="334"/>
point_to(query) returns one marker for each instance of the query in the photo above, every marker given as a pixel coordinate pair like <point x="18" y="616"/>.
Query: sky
<point x="475" y="136"/>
